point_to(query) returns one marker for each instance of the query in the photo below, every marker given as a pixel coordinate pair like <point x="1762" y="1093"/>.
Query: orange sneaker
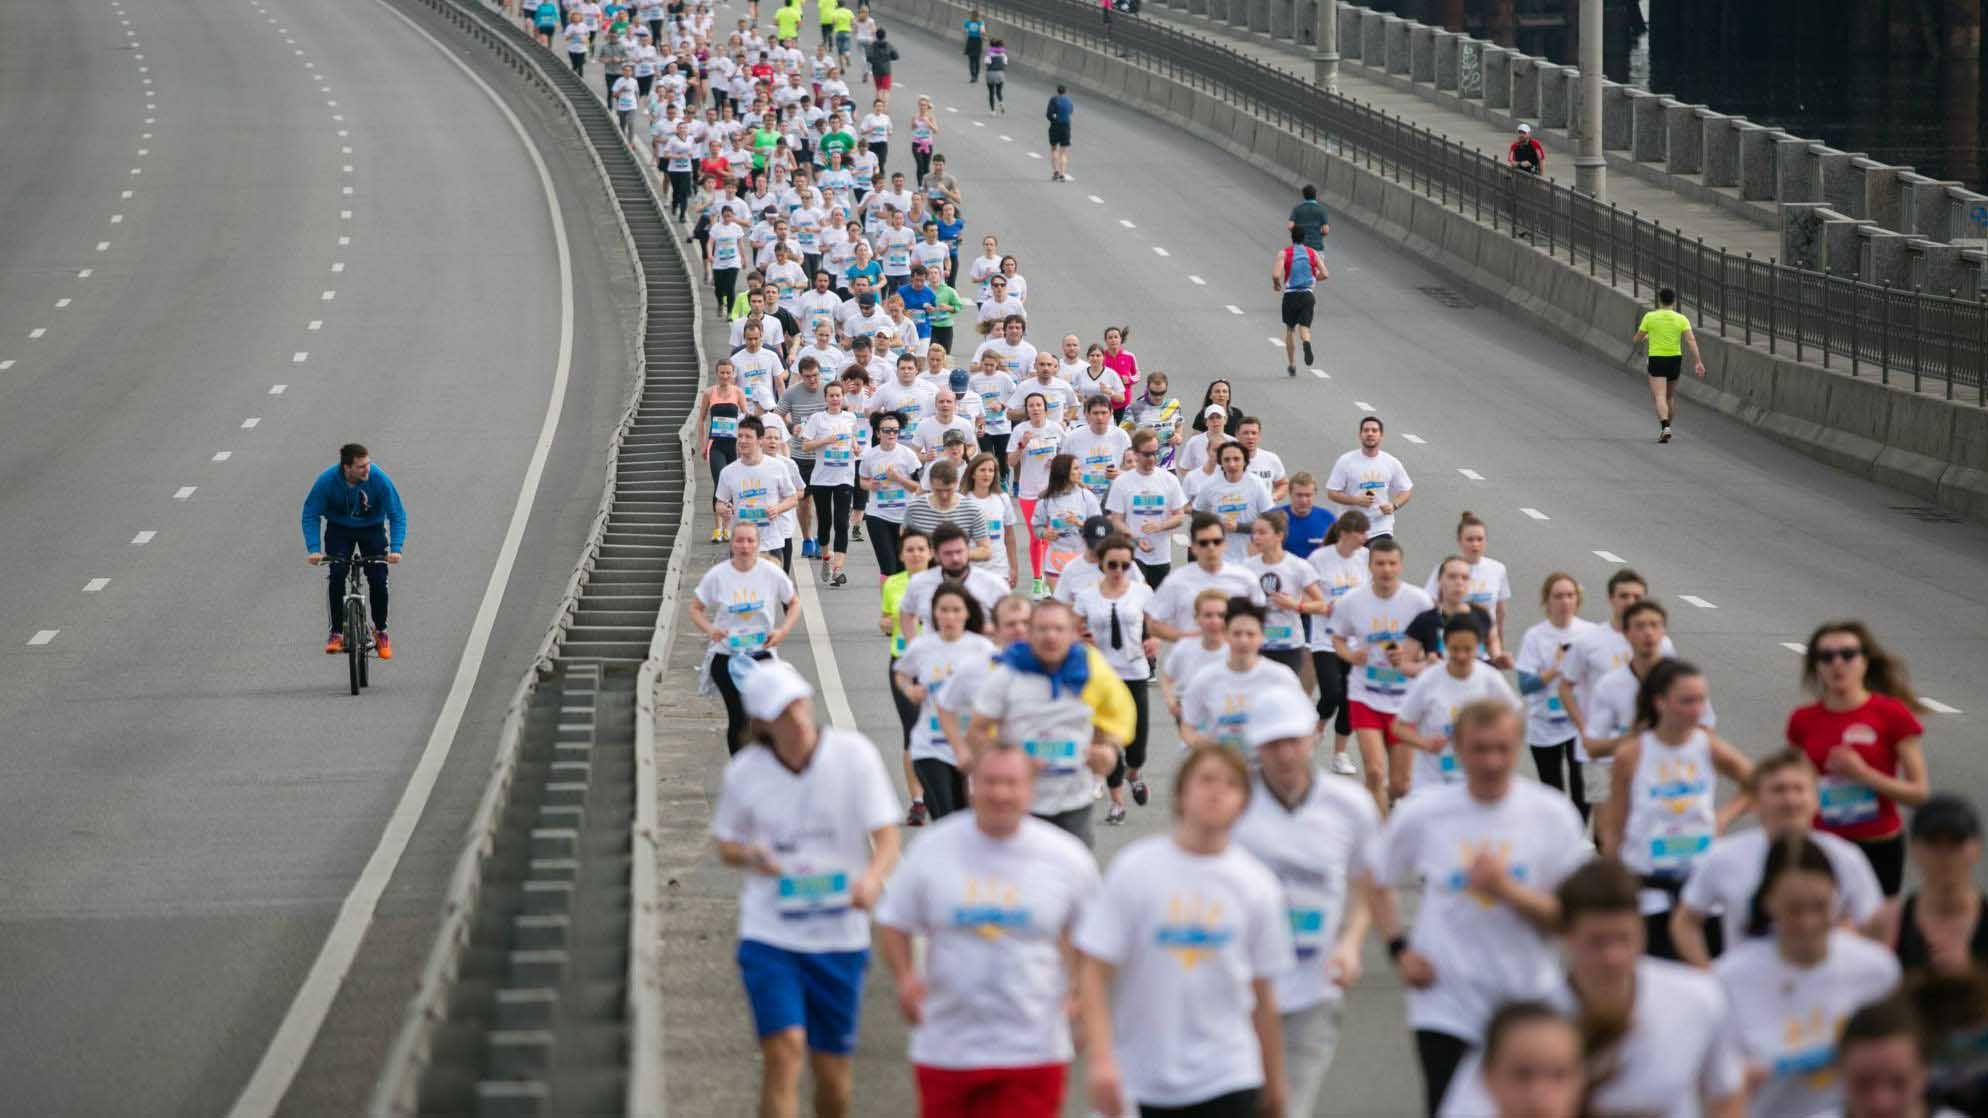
<point x="334" y="645"/>
<point x="382" y="645"/>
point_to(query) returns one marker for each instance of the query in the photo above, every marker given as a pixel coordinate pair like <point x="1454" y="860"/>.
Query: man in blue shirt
<point x="1306" y="521"/>
<point x="1058" y="113"/>
<point x="355" y="504"/>
<point x="918" y="299"/>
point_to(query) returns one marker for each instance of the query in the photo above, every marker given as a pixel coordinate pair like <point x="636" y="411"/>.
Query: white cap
<point x="1215" y="409"/>
<point x="771" y="687"/>
<point x="1283" y="712"/>
<point x="1525" y="129"/>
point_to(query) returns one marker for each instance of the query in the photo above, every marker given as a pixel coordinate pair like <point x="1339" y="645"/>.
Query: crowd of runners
<point x="1543" y="828"/>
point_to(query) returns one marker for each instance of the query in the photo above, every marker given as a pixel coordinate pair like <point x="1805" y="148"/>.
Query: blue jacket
<point x="365" y="505"/>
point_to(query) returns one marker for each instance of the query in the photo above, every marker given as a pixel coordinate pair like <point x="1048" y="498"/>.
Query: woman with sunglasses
<point x="1861" y="734"/>
<point x="888" y="471"/>
<point x="1113" y="613"/>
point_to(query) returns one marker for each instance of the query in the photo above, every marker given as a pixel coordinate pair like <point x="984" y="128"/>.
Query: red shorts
<point x="1031" y="1092"/>
<point x="1364" y="717"/>
<point x="883" y="81"/>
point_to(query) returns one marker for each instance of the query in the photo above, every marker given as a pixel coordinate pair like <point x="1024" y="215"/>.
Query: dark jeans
<point x="1134" y="756"/>
<point x="1558" y="768"/>
<point x="1440" y="1053"/>
<point x="372" y="543"/>
<point x="883" y="538"/>
<point x="1236" y="1104"/>
<point x="973" y="53"/>
<point x="944" y="785"/>
<point x="832" y="516"/>
<point x="735" y="715"/>
<point x="1332" y="672"/>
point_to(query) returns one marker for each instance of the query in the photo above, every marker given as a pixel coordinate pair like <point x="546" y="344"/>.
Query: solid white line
<point x="1535" y="514"/>
<point x="821" y="647"/>
<point x="95" y="585"/>
<point x="1363" y="405"/>
<point x="1197" y="281"/>
<point x="223" y="455"/>
<point x="42" y="637"/>
<point x="278" y="389"/>
<point x="306" y="1013"/>
<point x="249" y="423"/>
<point x="143" y="538"/>
<point x="1937" y="707"/>
<point x="1127" y="224"/>
<point x="1697" y="601"/>
<point x="1795" y="647"/>
<point x="1610" y="557"/>
<point x="1097" y="199"/>
<point x="1321" y="374"/>
<point x="1233" y="309"/>
<point x="1471" y="474"/>
<point x="184" y="492"/>
<point x="1158" y="251"/>
<point x="299" y="357"/>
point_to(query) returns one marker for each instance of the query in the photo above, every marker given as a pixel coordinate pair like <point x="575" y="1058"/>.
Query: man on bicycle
<point x="359" y="507"/>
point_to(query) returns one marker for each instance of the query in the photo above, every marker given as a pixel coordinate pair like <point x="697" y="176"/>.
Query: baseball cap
<point x="1096" y="530"/>
<point x="1280" y="713"/>
<point x="1945" y="817"/>
<point x="866" y="300"/>
<point x="1213" y="410"/>
<point x="771" y="687"/>
<point x="953" y="437"/>
<point x="957" y="380"/>
<point x="1525" y="129"/>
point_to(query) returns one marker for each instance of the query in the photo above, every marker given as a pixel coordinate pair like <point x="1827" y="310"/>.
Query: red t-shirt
<point x="1849" y="809"/>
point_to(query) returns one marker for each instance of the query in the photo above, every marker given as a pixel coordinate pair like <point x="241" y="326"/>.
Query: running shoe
<point x="1139" y="792"/>
<point x="717" y="535"/>
<point x="808" y="550"/>
<point x="1342" y="764"/>
<point x="840" y="579"/>
<point x="382" y="645"/>
<point x="856" y="532"/>
<point x="1308" y="353"/>
<point x="1040" y="589"/>
<point x="1116" y="816"/>
<point x="335" y="644"/>
<point x="827" y="575"/>
<point x="1291" y="370"/>
<point x="916" y="817"/>
<point x="1663" y="436"/>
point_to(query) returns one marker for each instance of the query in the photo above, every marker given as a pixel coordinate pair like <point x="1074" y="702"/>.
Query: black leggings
<point x="944" y="785"/>
<point x="1440" y="1053"/>
<point x="882" y="152"/>
<point x="1886" y="855"/>
<point x="1292" y="658"/>
<point x="1332" y="673"/>
<point x="1236" y="1104"/>
<point x="943" y="335"/>
<point x="338" y="543"/>
<point x="1659" y="945"/>
<point x="723" y="452"/>
<point x="725" y="282"/>
<point x="973" y="53"/>
<point x="883" y="538"/>
<point x="680" y="192"/>
<point x="1558" y="769"/>
<point x="922" y="160"/>
<point x="735" y="715"/>
<point x="907" y="711"/>
<point x="1134" y="756"/>
<point x="832" y="516"/>
<point x="995" y="95"/>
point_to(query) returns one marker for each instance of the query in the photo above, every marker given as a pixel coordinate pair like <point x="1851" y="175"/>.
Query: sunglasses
<point x="886" y="430"/>
<point x="1825" y="655"/>
<point x="1213" y="541"/>
<point x="1117" y="565"/>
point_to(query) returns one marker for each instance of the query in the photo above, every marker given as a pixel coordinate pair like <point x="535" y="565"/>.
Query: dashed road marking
<point x="980" y="124"/>
<point x="37" y="332"/>
<point x="1008" y="139"/>
<point x="1535" y="514"/>
<point x="5" y="365"/>
<point x="1937" y="707"/>
<point x="42" y="637"/>
<point x="125" y="193"/>
<point x="61" y="303"/>
<point x="1363" y="405"/>
<point x="222" y="455"/>
<point x="1471" y="474"/>
<point x="1610" y="556"/>
<point x="1158" y="251"/>
<point x="1796" y="647"/>
<point x="300" y="357"/>
<point x="343" y="241"/>
<point x="1321" y="374"/>
<point x="184" y="492"/>
<point x="103" y="246"/>
<point x="117" y="219"/>
<point x="1233" y="309"/>
<point x="314" y="324"/>
<point x="95" y="585"/>
<point x="250" y="423"/>
<point x="143" y="538"/>
<point x="1197" y="281"/>
<point x="1127" y="224"/>
<point x="338" y="266"/>
<point x="345" y="215"/>
<point x="278" y="389"/>
<point x="1096" y="199"/>
<point x="1696" y="601"/>
<point x="346" y="190"/>
<point x="1274" y="340"/>
<point x="951" y="109"/>
<point x="1035" y="155"/>
<point x="328" y="296"/>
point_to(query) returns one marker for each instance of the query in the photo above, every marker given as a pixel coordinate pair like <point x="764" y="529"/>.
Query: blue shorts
<point x="821" y="992"/>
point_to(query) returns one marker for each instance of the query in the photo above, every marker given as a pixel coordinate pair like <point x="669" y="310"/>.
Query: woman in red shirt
<point x="1120" y="360"/>
<point x="1863" y="737"/>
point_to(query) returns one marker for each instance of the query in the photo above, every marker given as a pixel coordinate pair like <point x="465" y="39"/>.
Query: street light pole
<point x="1590" y="169"/>
<point x="1325" y="63"/>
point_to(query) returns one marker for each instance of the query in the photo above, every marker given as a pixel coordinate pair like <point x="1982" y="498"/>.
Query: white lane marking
<point x="300" y="357"/>
<point x="1035" y="155"/>
<point x="143" y="538"/>
<point x="95" y="585"/>
<point x="249" y="424"/>
<point x="1233" y="309"/>
<point x="1471" y="474"/>
<point x="1096" y="199"/>
<point x="61" y="303"/>
<point x="951" y="109"/>
<point x="1158" y="251"/>
<point x="1182" y="540"/>
<point x="332" y="104"/>
<point x="345" y="190"/>
<point x="278" y="389"/>
<point x="85" y="273"/>
<point x="1610" y="556"/>
<point x="1274" y="340"/>
<point x="1197" y="281"/>
<point x="1937" y="707"/>
<point x="306" y="1013"/>
<point x="1321" y="374"/>
<point x="138" y="170"/>
<point x="125" y="193"/>
<point x="336" y="116"/>
<point x="184" y="492"/>
<point x="1535" y="513"/>
<point x="1363" y="405"/>
<point x="37" y="332"/>
<point x="343" y="132"/>
<point x="1008" y="139"/>
<point x="338" y="266"/>
<point x="145" y="135"/>
<point x="346" y="150"/>
<point x="314" y="324"/>
<point x="980" y="124"/>
<point x="151" y="120"/>
<point x="345" y="215"/>
<point x="5" y="365"/>
<point x="42" y="637"/>
<point x="1795" y="647"/>
<point x="144" y="151"/>
<point x="1416" y="439"/>
<point x="343" y="241"/>
<point x="1127" y="224"/>
<point x="345" y="168"/>
<point x="103" y="246"/>
<point x="117" y="219"/>
<point x="1697" y="601"/>
<point x="222" y="455"/>
<point x="328" y="296"/>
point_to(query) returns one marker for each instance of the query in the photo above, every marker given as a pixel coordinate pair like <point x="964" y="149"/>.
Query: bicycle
<point x="356" y="625"/>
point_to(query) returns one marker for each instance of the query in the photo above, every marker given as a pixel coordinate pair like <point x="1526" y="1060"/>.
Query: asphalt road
<point x="239" y="235"/>
<point x="1174" y="238"/>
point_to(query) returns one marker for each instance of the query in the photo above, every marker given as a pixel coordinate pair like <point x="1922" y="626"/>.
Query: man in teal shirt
<point x="1309" y="215"/>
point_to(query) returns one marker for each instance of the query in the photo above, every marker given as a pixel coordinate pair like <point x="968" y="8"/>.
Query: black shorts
<point x="807" y="468"/>
<point x="1059" y="135"/>
<point x="1668" y="368"/>
<point x="1298" y="307"/>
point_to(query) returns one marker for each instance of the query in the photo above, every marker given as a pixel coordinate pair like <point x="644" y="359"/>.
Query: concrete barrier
<point x="1757" y="167"/>
<point x="1646" y="142"/>
<point x="1352" y="39"/>
<point x="1556" y="92"/>
<point x="1721" y="148"/>
<point x="1525" y="86"/>
<point x="1373" y="39"/>
<point x="1883" y="193"/>
<point x="1684" y="138"/>
<point x="1394" y="33"/>
<point x="1470" y="68"/>
<point x="1795" y="177"/>
<point x="1498" y="77"/>
<point x="1887" y="257"/>
<point x="1836" y="173"/>
<point x="1448" y="51"/>
<point x="1422" y="53"/>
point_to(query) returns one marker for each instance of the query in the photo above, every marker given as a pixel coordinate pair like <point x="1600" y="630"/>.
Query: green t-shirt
<point x="893" y="597"/>
<point x="827" y="10"/>
<point x="1666" y="332"/>
<point x="833" y="142"/>
<point x="763" y="143"/>
<point x="945" y="304"/>
<point x="787" y="21"/>
<point x="845" y="19"/>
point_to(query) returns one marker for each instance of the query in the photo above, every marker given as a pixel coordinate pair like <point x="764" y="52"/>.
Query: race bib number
<point x="1058" y="755"/>
<point x="806" y="895"/>
<point x="1279" y="636"/>
<point x="724" y="426"/>
<point x="1307" y="930"/>
<point x="744" y="643"/>
<point x="1846" y="802"/>
<point x="1676" y="851"/>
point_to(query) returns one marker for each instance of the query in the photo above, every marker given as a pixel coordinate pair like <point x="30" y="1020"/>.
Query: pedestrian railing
<point x="1865" y="329"/>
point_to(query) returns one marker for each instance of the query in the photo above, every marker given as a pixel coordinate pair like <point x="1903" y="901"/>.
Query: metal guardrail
<point x="541" y="994"/>
<point x="1900" y="336"/>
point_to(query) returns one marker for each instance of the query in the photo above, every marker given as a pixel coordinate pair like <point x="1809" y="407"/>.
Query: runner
<point x="719" y="409"/>
<point x="1179" y="954"/>
<point x="1235" y="497"/>
<point x="914" y="550"/>
<point x="1490" y="587"/>
<point x="1291" y="591"/>
<point x="1532" y="1062"/>
<point x="1597" y="652"/>
<point x="1112" y="614"/>
<point x="808" y="814"/>
<point x="1058" y="514"/>
<point x="1791" y="992"/>
<point x="976" y="28"/>
<point x="1263" y="464"/>
<point x="1369" y="626"/>
<point x="756" y="490"/>
<point x="1146" y="504"/>
<point x="1032" y="446"/>
<point x="1724" y="881"/>
<point x="954" y="704"/>
<point x="1084" y="571"/>
<point x="997" y="512"/>
<point x="1099" y="447"/>
<point x="1609" y="716"/>
<point x="997" y="78"/>
<point x="1940" y="928"/>
<point x="1121" y="361"/>
<point x="1882" y="1060"/>
<point x="1425" y="632"/>
<point x="1309" y="220"/>
<point x="1668" y="333"/>
<point x="1296" y="271"/>
<point x="1058" y="113"/>
<point x="1427" y="718"/>
<point x="949" y="565"/>
<point x="1862" y="735"/>
<point x="1341" y="562"/>
<point x="995" y="895"/>
<point x="1371" y="479"/>
<point x="1221" y="700"/>
<point x="942" y="503"/>
<point x="889" y="470"/>
<point x="1543" y="654"/>
<point x="831" y="435"/>
<point x="803" y="399"/>
<point x="930" y="658"/>
<point x="1172" y="616"/>
<point x="1305" y="520"/>
<point x="734" y="607"/>
<point x="1485" y="856"/>
<point x="1159" y="412"/>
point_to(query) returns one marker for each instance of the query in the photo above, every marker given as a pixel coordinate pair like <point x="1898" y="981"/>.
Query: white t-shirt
<point x="816" y="824"/>
<point x="744" y="604"/>
<point x="1786" y="1018"/>
<point x="919" y="588"/>
<point x="1058" y="401"/>
<point x="1675" y="1057"/>
<point x="1597" y="652"/>
<point x="1220" y="701"/>
<point x="1129" y="658"/>
<point x="1724" y="880"/>
<point x="1364" y="617"/>
<point x="931" y="434"/>
<point x="889" y="502"/>
<point x="1056" y="730"/>
<point x="1060" y="519"/>
<point x="1283" y="629"/>
<point x="894" y="249"/>
<point x="1484" y="953"/>
<point x="835" y="463"/>
<point x="1237" y="504"/>
<point x="725" y="238"/>
<point x="993" y="390"/>
<point x="1174" y="604"/>
<point x="1187" y="933"/>
<point x="752" y="492"/>
<point x="1044" y="444"/>
<point x="1489" y="585"/>
<point x="1184" y="660"/>
<point x="992" y="912"/>
<point x="1430" y="706"/>
<point x="1313" y="849"/>
<point x="1381" y="474"/>
<point x="1018" y="361"/>
<point x="1142" y="499"/>
<point x="1610" y="707"/>
<point x="1077" y="576"/>
<point x="998" y="510"/>
<point x="1266" y="467"/>
<point x="913" y="400"/>
<point x="1097" y="454"/>
<point x="757" y="368"/>
<point x="1338" y="575"/>
<point x="1547" y="722"/>
<point x="931" y="660"/>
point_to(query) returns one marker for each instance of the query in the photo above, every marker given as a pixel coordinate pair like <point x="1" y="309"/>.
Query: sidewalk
<point x="1719" y="228"/>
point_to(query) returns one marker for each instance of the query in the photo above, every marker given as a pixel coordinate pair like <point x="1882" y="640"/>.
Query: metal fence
<point x="1896" y="335"/>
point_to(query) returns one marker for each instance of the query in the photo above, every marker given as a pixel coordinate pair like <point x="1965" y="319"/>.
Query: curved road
<point x="239" y="235"/>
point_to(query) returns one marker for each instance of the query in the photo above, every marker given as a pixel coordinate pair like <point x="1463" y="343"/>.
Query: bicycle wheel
<point x="355" y="643"/>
